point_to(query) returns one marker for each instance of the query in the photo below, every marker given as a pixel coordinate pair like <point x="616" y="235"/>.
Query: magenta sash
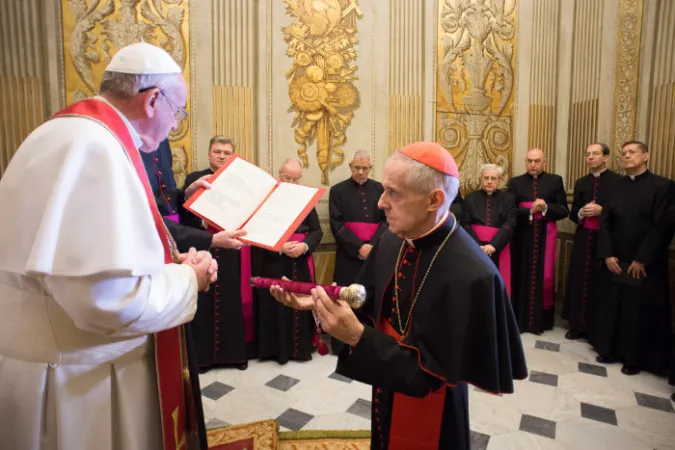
<point x="363" y="230"/>
<point x="245" y="289"/>
<point x="549" y="258"/>
<point x="300" y="237"/>
<point x="592" y="223"/>
<point x="485" y="234"/>
<point x="173" y="217"/>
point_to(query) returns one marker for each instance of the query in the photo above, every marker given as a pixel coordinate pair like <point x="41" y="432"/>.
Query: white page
<point x="234" y="195"/>
<point x="278" y="213"/>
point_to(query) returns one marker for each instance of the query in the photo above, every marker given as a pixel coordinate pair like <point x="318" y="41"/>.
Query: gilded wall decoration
<point x="626" y="75"/>
<point x="323" y="96"/>
<point x="93" y="30"/>
<point x="475" y="84"/>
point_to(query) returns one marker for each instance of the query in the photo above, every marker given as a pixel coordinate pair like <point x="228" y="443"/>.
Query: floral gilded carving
<point x="323" y="96"/>
<point x="626" y="75"/>
<point x="95" y="29"/>
<point x="475" y="84"/>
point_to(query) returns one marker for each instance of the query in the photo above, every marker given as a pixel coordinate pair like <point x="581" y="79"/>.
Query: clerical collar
<point x="637" y="175"/>
<point x="435" y="235"/>
<point x="535" y="176"/>
<point x="597" y="174"/>
<point x="134" y="134"/>
<point x="359" y="184"/>
<point x="490" y="193"/>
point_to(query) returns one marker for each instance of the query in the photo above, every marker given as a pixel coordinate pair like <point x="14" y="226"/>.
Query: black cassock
<point x="632" y="323"/>
<point x="498" y="211"/>
<point x="284" y="333"/>
<point x="585" y="265"/>
<point x="224" y="327"/>
<point x="533" y="250"/>
<point x="169" y="199"/>
<point x="462" y="330"/>
<point x="355" y="220"/>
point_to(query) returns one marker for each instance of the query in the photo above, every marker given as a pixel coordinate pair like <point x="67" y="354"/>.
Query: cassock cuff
<point x="350" y="357"/>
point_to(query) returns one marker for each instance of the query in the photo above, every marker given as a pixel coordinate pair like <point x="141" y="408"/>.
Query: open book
<point x="243" y="196"/>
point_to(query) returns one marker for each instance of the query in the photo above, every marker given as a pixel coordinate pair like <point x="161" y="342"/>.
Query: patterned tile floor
<point x="569" y="402"/>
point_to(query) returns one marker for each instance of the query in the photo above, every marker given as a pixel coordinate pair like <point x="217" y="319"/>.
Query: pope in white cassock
<point x="92" y="291"/>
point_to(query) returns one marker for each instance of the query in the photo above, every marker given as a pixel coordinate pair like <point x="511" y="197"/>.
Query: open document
<point x="243" y="196"/>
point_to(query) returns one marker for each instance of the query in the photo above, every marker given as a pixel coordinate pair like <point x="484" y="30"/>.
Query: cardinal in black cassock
<point x="355" y="221"/>
<point x="540" y="202"/>
<point x="224" y="323"/>
<point x="285" y="334"/>
<point x="632" y="323"/>
<point x="591" y="193"/>
<point x="436" y="317"/>
<point x="490" y="218"/>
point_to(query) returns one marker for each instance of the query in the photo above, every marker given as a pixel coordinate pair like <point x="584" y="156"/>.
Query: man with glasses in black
<point x="632" y="324"/>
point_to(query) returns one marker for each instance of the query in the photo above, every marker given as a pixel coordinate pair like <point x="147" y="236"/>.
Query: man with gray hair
<point x="284" y="334"/>
<point x="355" y="221"/>
<point x="490" y="219"/>
<point x="93" y="293"/>
<point x="436" y="318"/>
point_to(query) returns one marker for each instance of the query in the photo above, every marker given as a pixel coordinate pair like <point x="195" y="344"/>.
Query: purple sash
<point x="300" y="237"/>
<point x="486" y="234"/>
<point x="549" y="257"/>
<point x="592" y="223"/>
<point x="173" y="217"/>
<point x="245" y="289"/>
<point x="363" y="230"/>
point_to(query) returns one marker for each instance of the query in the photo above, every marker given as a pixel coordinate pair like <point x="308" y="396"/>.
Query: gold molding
<point x="268" y="75"/>
<point x="95" y="30"/>
<point x="373" y="89"/>
<point x="626" y="74"/>
<point x="193" y="89"/>
<point x="475" y="84"/>
<point x="435" y="67"/>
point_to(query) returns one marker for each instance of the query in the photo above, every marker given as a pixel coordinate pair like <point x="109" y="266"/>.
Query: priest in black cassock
<point x="169" y="199"/>
<point x="632" y="324"/>
<point x="436" y="318"/>
<point x="591" y="192"/>
<point x="355" y="221"/>
<point x="285" y="334"/>
<point x="540" y="202"/>
<point x="223" y="325"/>
<point x="490" y="218"/>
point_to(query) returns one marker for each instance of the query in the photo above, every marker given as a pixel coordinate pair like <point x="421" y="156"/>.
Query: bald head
<point x="535" y="160"/>
<point x="290" y="171"/>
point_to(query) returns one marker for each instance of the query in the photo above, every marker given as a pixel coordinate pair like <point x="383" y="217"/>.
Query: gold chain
<point x="398" y="265"/>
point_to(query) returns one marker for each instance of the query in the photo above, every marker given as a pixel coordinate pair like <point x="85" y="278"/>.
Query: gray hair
<point x="288" y="161"/>
<point x="499" y="169"/>
<point x="128" y="84"/>
<point x="425" y="179"/>
<point x="361" y="154"/>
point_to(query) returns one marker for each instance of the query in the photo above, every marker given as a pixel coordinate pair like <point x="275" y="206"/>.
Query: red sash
<point x="363" y="230"/>
<point x="173" y="218"/>
<point x="591" y="223"/>
<point x="415" y="422"/>
<point x="170" y="356"/>
<point x="245" y="289"/>
<point x="485" y="234"/>
<point x="549" y="257"/>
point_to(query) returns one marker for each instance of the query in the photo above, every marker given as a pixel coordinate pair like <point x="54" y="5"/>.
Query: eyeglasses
<point x="179" y="112"/>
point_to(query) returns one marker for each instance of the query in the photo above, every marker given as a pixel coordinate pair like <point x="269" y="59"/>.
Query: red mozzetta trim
<point x="168" y="342"/>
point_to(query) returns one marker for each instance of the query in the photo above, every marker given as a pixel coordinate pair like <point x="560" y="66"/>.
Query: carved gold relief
<point x="475" y="84"/>
<point x="320" y="82"/>
<point x="626" y="75"/>
<point x="93" y="30"/>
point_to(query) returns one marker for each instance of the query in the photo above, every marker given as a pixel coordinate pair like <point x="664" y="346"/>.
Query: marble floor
<point x="569" y="402"/>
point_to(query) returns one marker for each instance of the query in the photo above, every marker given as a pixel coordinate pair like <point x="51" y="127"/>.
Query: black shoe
<point x="242" y="366"/>
<point x="573" y="335"/>
<point x="605" y="360"/>
<point x="630" y="371"/>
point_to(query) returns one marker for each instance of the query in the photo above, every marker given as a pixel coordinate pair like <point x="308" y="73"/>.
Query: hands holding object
<point x="331" y="305"/>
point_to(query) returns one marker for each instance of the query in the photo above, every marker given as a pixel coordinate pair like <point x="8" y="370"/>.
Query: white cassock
<point x="83" y="286"/>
